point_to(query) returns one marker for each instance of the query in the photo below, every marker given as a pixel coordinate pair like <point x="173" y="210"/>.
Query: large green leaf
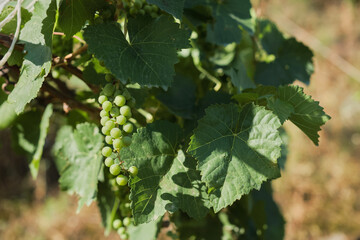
<point x="7" y="114"/>
<point x="293" y="60"/>
<point x="146" y="231"/>
<point x="174" y="7"/>
<point x="228" y="17"/>
<point x="167" y="179"/>
<point x="237" y="150"/>
<point x="149" y="57"/>
<point x="37" y="36"/>
<point x="79" y="157"/>
<point x="10" y="27"/>
<point x="304" y="112"/>
<point x="74" y="13"/>
<point x="29" y="133"/>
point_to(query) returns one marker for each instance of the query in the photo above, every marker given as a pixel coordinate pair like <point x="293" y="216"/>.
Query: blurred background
<point x="319" y="191"/>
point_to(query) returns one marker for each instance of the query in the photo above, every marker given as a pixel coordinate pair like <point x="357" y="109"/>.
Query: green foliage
<point x="191" y="108"/>
<point x="79" y="160"/>
<point x="37" y="35"/>
<point x="152" y="49"/>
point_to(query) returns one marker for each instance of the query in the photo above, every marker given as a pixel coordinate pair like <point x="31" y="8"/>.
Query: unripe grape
<point x="108" y="139"/>
<point x="117" y="143"/>
<point x="121" y="120"/>
<point x="117" y="223"/>
<point x="55" y="73"/>
<point x="109" y="161"/>
<point x="148" y="9"/>
<point x="115" y="169"/>
<point x="105" y="130"/>
<point x="127" y="205"/>
<point x="128" y="127"/>
<point x="114" y="112"/>
<point x="127" y="140"/>
<point x="121" y="230"/>
<point x="108" y="89"/>
<point x="106" y="151"/>
<point x="141" y="12"/>
<point x="104" y="120"/>
<point x="133" y="170"/>
<point x="120" y="100"/>
<point x="104" y="113"/>
<point x="133" y="11"/>
<point x="154" y="8"/>
<point x="137" y="4"/>
<point x="124" y="236"/>
<point x="110" y="124"/>
<point x="122" y="181"/>
<point x="126" y="221"/>
<point x="125" y="111"/>
<point x="102" y="99"/>
<point x="108" y="77"/>
<point x="115" y="132"/>
<point x="107" y="106"/>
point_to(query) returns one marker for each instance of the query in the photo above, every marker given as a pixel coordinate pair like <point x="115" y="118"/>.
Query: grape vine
<point x="168" y="113"/>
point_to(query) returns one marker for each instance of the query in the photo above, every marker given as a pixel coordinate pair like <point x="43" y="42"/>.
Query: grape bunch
<point x="115" y="115"/>
<point x="121" y="226"/>
<point x="141" y="7"/>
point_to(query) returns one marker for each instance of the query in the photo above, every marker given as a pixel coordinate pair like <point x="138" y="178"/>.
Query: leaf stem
<point x="210" y="77"/>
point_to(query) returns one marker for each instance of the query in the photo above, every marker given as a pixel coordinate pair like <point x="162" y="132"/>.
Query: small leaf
<point x="37" y="35"/>
<point x="237" y="150"/>
<point x="79" y="157"/>
<point x="293" y="60"/>
<point x="174" y="7"/>
<point x="306" y="113"/>
<point x="228" y="16"/>
<point x="167" y="180"/>
<point x="149" y="58"/>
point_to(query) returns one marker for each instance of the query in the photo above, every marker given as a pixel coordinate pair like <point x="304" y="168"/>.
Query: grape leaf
<point x="174" y="7"/>
<point x="293" y="60"/>
<point x="228" y="16"/>
<point x="237" y="150"/>
<point x="149" y="58"/>
<point x="29" y="133"/>
<point x="146" y="231"/>
<point x="106" y="200"/>
<point x="74" y="13"/>
<point x="240" y="78"/>
<point x="81" y="151"/>
<point x="167" y="179"/>
<point x="7" y="114"/>
<point x="37" y="36"/>
<point x="306" y="113"/>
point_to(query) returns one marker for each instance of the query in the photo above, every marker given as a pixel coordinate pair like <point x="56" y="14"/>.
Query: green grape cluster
<point x="121" y="225"/>
<point x="117" y="128"/>
<point x="141" y="7"/>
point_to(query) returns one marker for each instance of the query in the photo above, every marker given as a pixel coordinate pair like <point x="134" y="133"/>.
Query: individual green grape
<point x="121" y="230"/>
<point x="102" y="99"/>
<point x="115" y="169"/>
<point x="109" y="139"/>
<point x="126" y="140"/>
<point x="105" y="130"/>
<point x="115" y="133"/>
<point x="128" y="127"/>
<point x="137" y="4"/>
<point x="126" y="221"/>
<point x="120" y="100"/>
<point x="109" y="89"/>
<point x="109" y="77"/>
<point x="114" y="112"/>
<point x="104" y="113"/>
<point x="106" y="151"/>
<point x="133" y="11"/>
<point x="107" y="106"/>
<point x="110" y="124"/>
<point x="141" y="12"/>
<point x="148" y="9"/>
<point x="118" y="143"/>
<point x="117" y="224"/>
<point x="109" y="161"/>
<point x="104" y="120"/>
<point x="121" y="120"/>
<point x="127" y="205"/>
<point x="125" y="111"/>
<point x="122" y="181"/>
<point x="133" y="170"/>
<point x="124" y="236"/>
<point x="55" y="73"/>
